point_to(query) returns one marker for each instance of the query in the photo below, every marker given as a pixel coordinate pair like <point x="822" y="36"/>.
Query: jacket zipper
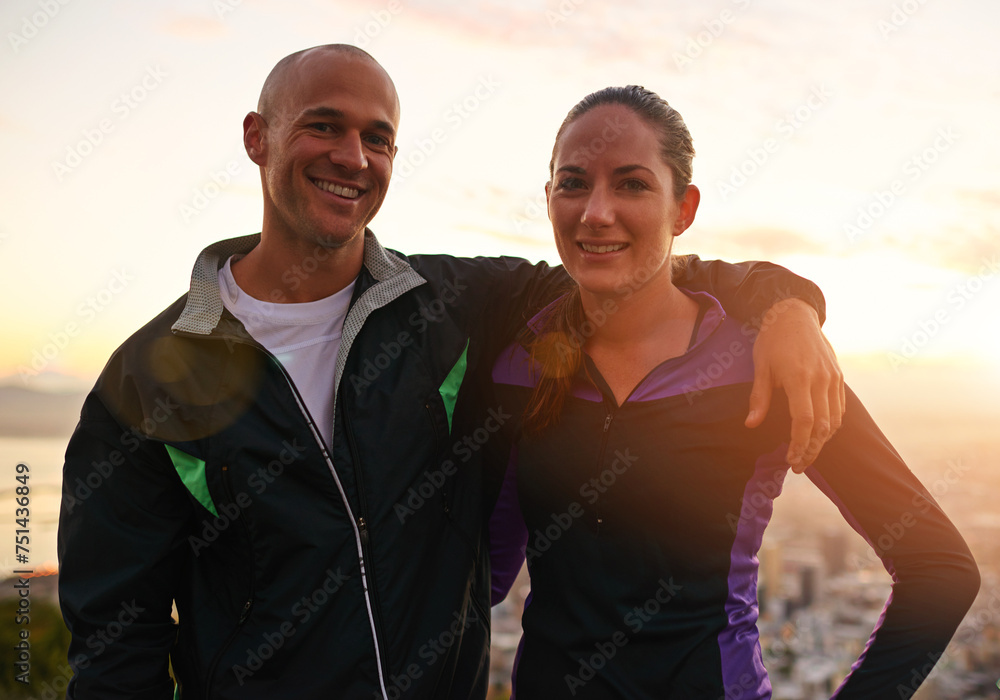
<point x="434" y="427"/>
<point x="600" y="461"/>
<point x="356" y="523"/>
<point x="446" y="495"/>
<point x="248" y="606"/>
<point x="365" y="532"/>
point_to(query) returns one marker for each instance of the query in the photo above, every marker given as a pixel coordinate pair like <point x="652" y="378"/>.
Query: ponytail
<point x="556" y="351"/>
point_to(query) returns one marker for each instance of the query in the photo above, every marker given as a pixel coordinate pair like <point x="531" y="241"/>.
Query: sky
<point x="853" y="142"/>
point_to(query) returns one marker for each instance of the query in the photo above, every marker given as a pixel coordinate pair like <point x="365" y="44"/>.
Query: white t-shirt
<point x="305" y="338"/>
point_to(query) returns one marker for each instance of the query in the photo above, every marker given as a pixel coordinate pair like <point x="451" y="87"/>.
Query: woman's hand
<point x="791" y="353"/>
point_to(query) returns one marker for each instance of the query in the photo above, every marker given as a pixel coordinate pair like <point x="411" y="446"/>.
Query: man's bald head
<point x="284" y="74"/>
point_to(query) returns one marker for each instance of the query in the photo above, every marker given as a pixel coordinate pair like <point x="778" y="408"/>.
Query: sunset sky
<point x="854" y="142"/>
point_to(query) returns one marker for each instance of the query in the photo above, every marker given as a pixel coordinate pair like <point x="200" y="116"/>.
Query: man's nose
<point x="349" y="153"/>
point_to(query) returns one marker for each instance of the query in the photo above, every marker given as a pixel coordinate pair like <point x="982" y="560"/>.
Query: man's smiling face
<point x="327" y="144"/>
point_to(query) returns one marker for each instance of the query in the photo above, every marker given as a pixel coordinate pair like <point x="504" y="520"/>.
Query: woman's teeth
<point x="602" y="248"/>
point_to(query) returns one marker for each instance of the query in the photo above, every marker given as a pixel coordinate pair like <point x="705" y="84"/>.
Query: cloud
<point x="195" y="27"/>
<point x="967" y="237"/>
<point x="989" y="199"/>
<point x="8" y="124"/>
<point x="755" y="243"/>
<point x="960" y="248"/>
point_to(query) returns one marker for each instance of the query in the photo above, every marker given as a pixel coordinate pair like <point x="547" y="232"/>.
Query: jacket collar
<point x="203" y="309"/>
<point x="712" y="318"/>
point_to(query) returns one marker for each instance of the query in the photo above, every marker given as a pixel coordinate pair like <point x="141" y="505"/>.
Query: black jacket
<point x="298" y="569"/>
<point x="646" y="518"/>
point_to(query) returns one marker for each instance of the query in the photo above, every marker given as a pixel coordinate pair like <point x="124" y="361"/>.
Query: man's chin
<point x="338" y="240"/>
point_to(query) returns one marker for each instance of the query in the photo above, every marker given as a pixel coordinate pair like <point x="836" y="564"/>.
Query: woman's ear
<point x="689" y="207"/>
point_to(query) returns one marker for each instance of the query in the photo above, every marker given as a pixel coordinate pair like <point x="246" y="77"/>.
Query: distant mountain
<point x="28" y="413"/>
<point x="43" y="584"/>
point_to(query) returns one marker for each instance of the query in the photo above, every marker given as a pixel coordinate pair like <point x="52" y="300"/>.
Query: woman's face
<point x="611" y="203"/>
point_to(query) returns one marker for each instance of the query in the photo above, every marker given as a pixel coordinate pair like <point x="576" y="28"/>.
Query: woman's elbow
<point x="967" y="581"/>
<point x="956" y="584"/>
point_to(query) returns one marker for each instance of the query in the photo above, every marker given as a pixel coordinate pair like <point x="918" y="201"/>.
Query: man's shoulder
<point x="158" y="366"/>
<point x="144" y="340"/>
<point x="160" y="324"/>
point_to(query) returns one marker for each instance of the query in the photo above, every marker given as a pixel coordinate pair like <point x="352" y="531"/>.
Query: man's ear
<point x="689" y="207"/>
<point x="254" y="139"/>
<point x="548" y="191"/>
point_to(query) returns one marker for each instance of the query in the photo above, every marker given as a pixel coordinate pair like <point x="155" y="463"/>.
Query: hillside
<point x="27" y="413"/>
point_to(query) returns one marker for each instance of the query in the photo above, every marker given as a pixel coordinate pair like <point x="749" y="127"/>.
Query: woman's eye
<point x="635" y="185"/>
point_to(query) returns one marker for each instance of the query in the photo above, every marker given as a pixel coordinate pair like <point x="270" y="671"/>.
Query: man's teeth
<point x="602" y="248"/>
<point x="348" y="192"/>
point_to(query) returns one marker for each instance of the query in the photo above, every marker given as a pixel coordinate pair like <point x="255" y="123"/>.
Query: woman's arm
<point x="935" y="578"/>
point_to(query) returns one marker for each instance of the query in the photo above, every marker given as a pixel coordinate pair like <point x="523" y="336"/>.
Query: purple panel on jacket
<point x="718" y="357"/>
<point x="508" y="535"/>
<point x="743" y="673"/>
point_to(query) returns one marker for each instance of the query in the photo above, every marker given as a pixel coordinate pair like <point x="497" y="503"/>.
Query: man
<point x="295" y="459"/>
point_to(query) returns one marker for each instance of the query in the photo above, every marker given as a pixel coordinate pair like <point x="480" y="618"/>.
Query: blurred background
<point x="851" y="142"/>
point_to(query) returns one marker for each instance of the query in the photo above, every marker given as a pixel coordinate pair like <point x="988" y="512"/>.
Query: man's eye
<point x="570" y="183"/>
<point x="321" y="126"/>
<point x="377" y="140"/>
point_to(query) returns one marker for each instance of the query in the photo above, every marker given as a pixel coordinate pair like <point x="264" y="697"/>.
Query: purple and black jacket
<point x="641" y="525"/>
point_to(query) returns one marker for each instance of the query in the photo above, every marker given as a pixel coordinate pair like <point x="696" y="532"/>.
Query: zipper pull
<point x="363" y="530"/>
<point x="246" y="611"/>
<point x="607" y="422"/>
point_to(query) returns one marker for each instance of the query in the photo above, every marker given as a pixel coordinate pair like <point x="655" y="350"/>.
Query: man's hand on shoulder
<point x="791" y="353"/>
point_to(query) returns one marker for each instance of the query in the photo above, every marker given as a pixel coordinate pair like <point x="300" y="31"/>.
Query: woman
<point x="645" y="495"/>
